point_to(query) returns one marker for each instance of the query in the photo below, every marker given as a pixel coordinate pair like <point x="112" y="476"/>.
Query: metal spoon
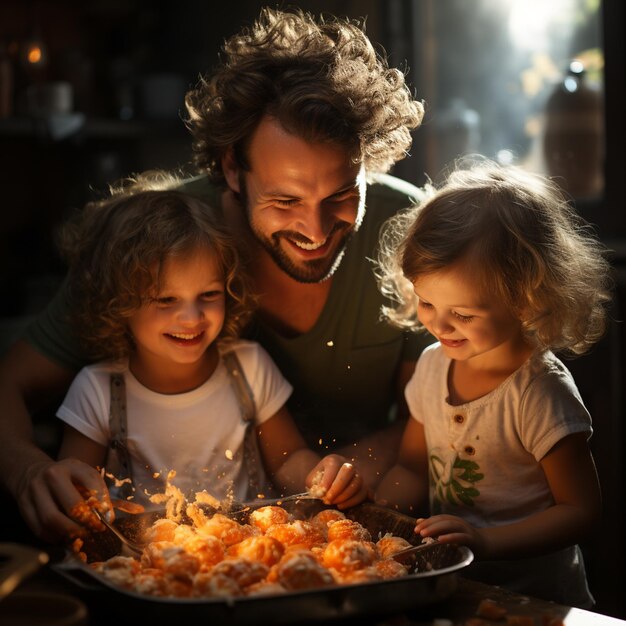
<point x="408" y="552"/>
<point x="238" y="506"/>
<point x="131" y="545"/>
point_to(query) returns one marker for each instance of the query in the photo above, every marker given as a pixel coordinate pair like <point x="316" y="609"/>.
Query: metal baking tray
<point x="434" y="580"/>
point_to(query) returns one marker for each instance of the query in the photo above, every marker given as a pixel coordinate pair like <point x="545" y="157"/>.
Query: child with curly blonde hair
<point x="501" y="271"/>
<point x="159" y="293"/>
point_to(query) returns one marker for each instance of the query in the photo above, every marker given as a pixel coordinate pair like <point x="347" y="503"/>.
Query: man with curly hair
<point x="294" y="130"/>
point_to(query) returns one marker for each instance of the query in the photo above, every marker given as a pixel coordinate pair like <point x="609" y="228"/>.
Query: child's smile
<point x="176" y="327"/>
<point x="452" y="343"/>
<point x="465" y="322"/>
<point x="186" y="339"/>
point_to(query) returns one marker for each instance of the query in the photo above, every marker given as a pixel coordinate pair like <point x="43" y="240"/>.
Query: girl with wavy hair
<point x="160" y="294"/>
<point x="502" y="272"/>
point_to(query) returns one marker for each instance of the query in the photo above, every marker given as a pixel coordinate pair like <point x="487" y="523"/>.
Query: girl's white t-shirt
<point x="199" y="434"/>
<point x="484" y="461"/>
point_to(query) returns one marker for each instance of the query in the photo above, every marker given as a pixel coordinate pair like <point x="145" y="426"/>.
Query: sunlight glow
<point x="531" y="21"/>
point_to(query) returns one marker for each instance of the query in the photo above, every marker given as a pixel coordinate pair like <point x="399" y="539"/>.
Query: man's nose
<point x="314" y="223"/>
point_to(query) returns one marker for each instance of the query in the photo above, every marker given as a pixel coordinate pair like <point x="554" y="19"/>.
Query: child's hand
<point x="337" y="482"/>
<point x="452" y="529"/>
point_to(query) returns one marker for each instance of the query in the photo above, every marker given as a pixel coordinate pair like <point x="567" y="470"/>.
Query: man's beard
<point x="313" y="271"/>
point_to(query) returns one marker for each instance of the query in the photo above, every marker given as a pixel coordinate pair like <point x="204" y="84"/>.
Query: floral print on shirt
<point x="453" y="479"/>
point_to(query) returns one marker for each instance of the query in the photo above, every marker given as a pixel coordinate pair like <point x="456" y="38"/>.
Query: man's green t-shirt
<point x="343" y="370"/>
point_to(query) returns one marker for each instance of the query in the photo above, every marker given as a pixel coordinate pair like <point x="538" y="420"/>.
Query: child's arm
<point x="293" y="466"/>
<point x="571" y="474"/>
<point x="405" y="486"/>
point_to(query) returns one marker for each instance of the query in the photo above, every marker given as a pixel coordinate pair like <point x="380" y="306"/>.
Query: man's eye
<point x="342" y="197"/>
<point x="285" y="204"/>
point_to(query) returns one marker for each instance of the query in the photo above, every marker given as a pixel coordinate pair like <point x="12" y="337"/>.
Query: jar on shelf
<point x="573" y="145"/>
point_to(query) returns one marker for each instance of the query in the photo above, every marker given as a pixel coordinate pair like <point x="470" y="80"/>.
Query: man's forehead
<point x="281" y="161"/>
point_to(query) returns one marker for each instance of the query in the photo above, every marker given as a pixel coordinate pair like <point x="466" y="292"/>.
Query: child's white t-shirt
<point x="484" y="455"/>
<point x="199" y="434"/>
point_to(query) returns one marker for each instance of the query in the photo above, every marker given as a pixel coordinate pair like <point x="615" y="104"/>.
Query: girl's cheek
<point x="424" y="318"/>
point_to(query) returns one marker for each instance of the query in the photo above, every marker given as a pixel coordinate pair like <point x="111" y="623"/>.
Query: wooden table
<point x="462" y="605"/>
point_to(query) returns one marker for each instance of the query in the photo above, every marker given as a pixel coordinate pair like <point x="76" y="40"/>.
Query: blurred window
<point x="519" y="81"/>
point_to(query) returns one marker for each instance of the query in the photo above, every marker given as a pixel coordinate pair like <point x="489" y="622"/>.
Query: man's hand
<point x="48" y="494"/>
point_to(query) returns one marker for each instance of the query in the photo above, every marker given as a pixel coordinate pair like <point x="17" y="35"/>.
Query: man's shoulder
<point x="388" y="189"/>
<point x="200" y="186"/>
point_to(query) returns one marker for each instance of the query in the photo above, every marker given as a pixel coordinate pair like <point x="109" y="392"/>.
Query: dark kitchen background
<point x="92" y="91"/>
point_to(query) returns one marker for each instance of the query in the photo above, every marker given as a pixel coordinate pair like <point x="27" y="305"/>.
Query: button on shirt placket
<point x="459" y="434"/>
<point x="457" y="428"/>
<point x="456" y="425"/>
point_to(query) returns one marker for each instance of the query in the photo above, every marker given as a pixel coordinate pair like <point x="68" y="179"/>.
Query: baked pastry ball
<point x="120" y="570"/>
<point x="175" y="586"/>
<point x="325" y="517"/>
<point x="317" y="551"/>
<point x="173" y="560"/>
<point x="265" y="550"/>
<point x="299" y="569"/>
<point x="267" y="516"/>
<point x="239" y="533"/>
<point x="150" y="581"/>
<point x="365" y="575"/>
<point x="348" y="529"/>
<point x="161" y="530"/>
<point x="184" y="533"/>
<point x="243" y="571"/>
<point x="214" y="585"/>
<point x="265" y="588"/>
<point x="390" y="544"/>
<point x="216" y="525"/>
<point x="390" y="568"/>
<point x="228" y="530"/>
<point x="207" y="549"/>
<point x="152" y="555"/>
<point x="346" y="555"/>
<point x="296" y="533"/>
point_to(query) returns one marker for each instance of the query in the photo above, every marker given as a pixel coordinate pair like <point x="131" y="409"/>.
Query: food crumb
<point x="316" y="489"/>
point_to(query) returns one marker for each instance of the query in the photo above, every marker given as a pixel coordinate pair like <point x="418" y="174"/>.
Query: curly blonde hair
<point x="116" y="249"/>
<point x="321" y="79"/>
<point x="527" y="247"/>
